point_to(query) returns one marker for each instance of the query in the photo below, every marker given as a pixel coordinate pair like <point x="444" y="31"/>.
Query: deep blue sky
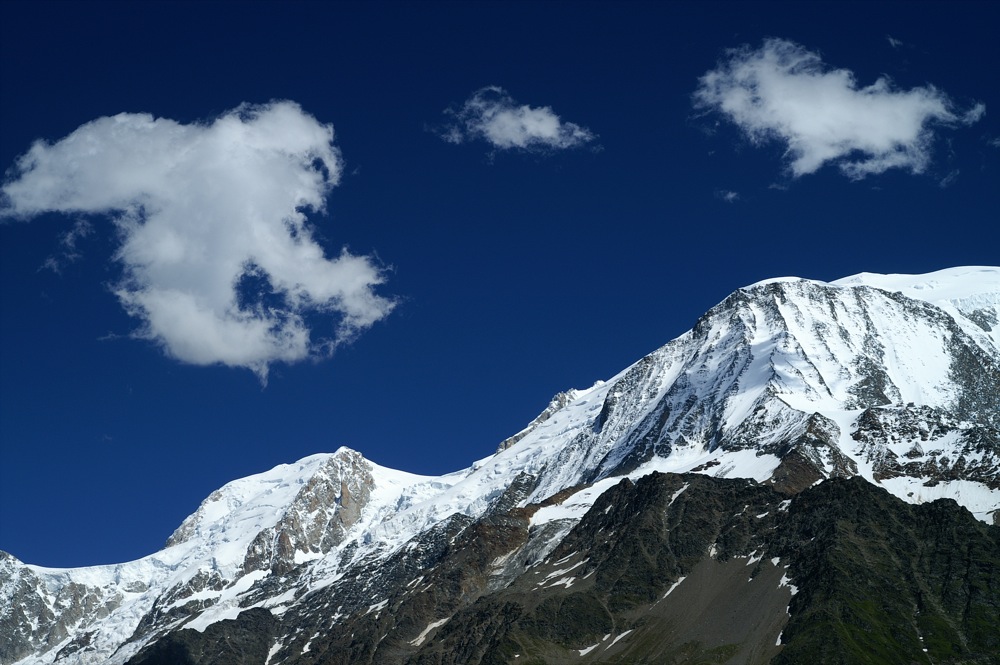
<point x="518" y="273"/>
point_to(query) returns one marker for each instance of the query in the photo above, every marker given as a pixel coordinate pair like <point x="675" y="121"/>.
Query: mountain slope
<point x="665" y="570"/>
<point x="893" y="379"/>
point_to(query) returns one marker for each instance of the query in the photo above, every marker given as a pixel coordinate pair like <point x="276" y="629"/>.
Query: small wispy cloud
<point x="782" y="92"/>
<point x="893" y="42"/>
<point x="219" y="261"/>
<point x="492" y="115"/>
<point x="727" y="195"/>
<point x="948" y="180"/>
<point x="68" y="249"/>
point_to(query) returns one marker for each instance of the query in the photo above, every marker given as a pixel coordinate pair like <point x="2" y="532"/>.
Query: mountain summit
<point x="796" y="418"/>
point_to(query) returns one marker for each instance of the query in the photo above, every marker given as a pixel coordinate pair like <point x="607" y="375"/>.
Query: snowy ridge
<point x="895" y="378"/>
<point x="971" y="294"/>
<point x="209" y="561"/>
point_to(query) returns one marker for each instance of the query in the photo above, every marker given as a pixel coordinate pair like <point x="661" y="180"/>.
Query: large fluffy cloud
<point x="492" y="115"/>
<point x="219" y="262"/>
<point x="783" y="92"/>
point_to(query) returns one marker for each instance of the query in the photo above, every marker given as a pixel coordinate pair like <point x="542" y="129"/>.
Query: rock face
<point x="684" y="568"/>
<point x="26" y="619"/>
<point x="810" y="472"/>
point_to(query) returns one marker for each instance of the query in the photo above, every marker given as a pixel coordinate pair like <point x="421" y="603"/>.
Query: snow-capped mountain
<point x="788" y="382"/>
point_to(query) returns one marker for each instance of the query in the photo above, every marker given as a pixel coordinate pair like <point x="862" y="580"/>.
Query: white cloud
<point x="219" y="261"/>
<point x="893" y="42"/>
<point x="727" y="195"/>
<point x="492" y="115"/>
<point x="783" y="92"/>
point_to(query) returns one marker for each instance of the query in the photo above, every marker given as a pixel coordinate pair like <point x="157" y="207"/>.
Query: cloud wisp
<point x="782" y="92"/>
<point x="69" y="251"/>
<point x="492" y="115"/>
<point x="219" y="261"/>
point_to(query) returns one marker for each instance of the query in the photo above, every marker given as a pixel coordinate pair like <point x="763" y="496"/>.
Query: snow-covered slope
<point x="973" y="292"/>
<point x="780" y="359"/>
<point x="892" y="377"/>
